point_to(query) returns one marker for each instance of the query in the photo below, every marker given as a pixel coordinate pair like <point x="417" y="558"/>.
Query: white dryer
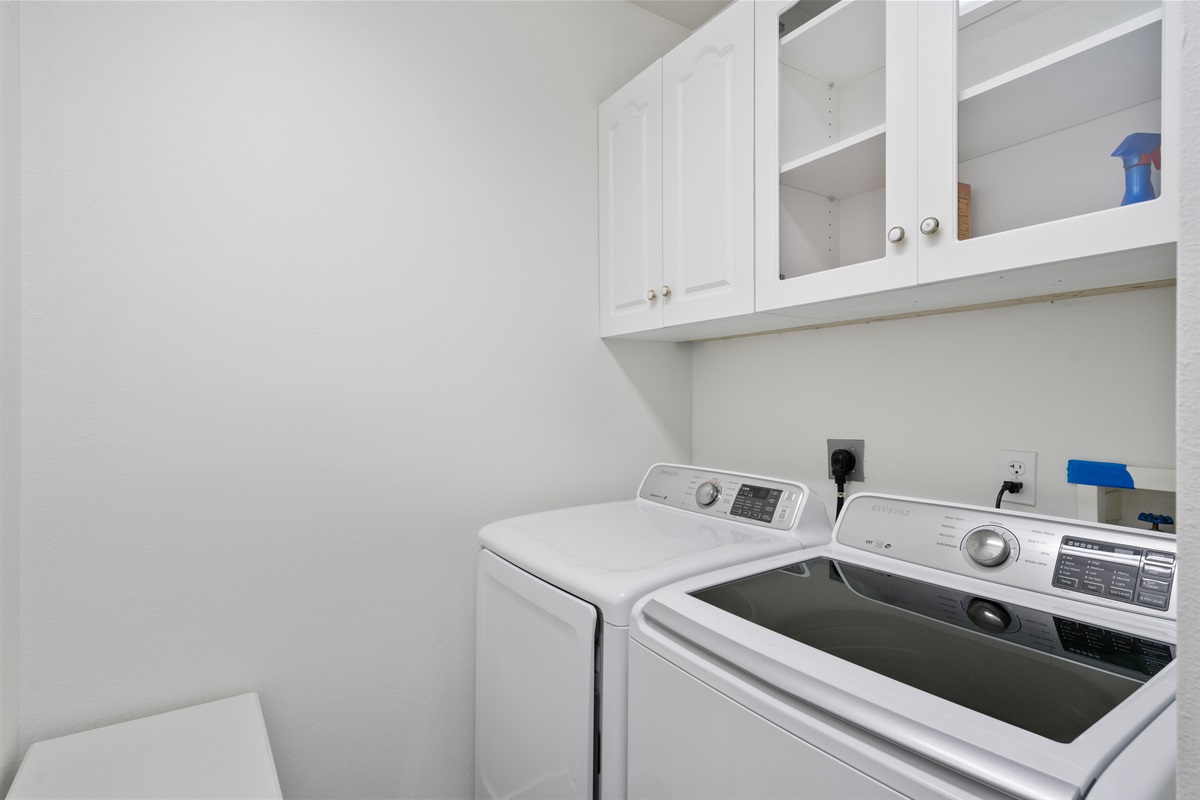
<point x="931" y="650"/>
<point x="554" y="594"/>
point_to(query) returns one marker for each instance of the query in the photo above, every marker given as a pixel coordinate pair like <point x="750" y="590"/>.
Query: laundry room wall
<point x="936" y="398"/>
<point x="10" y="385"/>
<point x="310" y="296"/>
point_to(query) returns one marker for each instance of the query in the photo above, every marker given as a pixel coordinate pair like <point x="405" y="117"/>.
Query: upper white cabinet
<point x="631" y="206"/>
<point x="708" y="171"/>
<point x="677" y="184"/>
<point x="963" y="154"/>
<point x="905" y="157"/>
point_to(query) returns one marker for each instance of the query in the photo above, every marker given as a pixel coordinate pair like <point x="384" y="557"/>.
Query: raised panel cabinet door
<point x="630" y="137"/>
<point x="708" y="171"/>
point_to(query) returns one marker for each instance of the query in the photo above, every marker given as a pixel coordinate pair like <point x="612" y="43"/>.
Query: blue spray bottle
<point x="1138" y="152"/>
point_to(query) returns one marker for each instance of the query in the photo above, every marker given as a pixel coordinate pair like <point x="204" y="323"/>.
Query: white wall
<point x="310" y="296"/>
<point x="10" y="386"/>
<point x="936" y="398"/>
<point x="1188" y="413"/>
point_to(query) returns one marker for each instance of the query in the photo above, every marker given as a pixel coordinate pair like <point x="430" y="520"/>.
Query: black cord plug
<point x="841" y="464"/>
<point x="1012" y="487"/>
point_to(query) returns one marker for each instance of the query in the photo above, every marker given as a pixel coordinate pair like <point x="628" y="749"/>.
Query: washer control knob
<point x="707" y="493"/>
<point x="987" y="547"/>
<point x="988" y="616"/>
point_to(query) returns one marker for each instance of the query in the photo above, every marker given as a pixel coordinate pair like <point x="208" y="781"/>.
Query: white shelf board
<point x="841" y="45"/>
<point x="971" y="11"/>
<point x="1111" y="71"/>
<point x="848" y="168"/>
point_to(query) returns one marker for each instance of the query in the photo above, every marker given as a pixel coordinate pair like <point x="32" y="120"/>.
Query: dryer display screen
<point x="755" y="502"/>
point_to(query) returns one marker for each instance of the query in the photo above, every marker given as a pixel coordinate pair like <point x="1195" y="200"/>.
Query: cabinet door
<point x="708" y="171"/>
<point x="630" y="137"/>
<point x="1025" y="103"/>
<point x="836" y="151"/>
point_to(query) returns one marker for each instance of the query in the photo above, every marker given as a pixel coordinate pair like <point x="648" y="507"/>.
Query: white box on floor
<point x="213" y="750"/>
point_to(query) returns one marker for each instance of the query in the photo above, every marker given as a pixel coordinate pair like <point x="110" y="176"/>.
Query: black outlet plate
<point x="855" y="446"/>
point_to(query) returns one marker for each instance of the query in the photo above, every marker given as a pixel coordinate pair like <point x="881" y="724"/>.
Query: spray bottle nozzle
<point x="1138" y="153"/>
<point x="1139" y="149"/>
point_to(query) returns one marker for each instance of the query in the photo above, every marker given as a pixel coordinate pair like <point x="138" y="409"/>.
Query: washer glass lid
<point x="1047" y="674"/>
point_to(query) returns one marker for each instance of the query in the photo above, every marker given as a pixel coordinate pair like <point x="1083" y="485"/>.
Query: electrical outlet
<point x="1019" y="465"/>
<point x="855" y="446"/>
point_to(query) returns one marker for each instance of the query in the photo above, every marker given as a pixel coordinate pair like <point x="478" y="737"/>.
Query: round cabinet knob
<point x="988" y="616"/>
<point x="651" y="295"/>
<point x="666" y="291"/>
<point x="896" y="235"/>
<point x="987" y="547"/>
<point x="707" y="493"/>
<point x="929" y="225"/>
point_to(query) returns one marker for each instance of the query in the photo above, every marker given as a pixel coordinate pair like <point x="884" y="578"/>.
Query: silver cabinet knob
<point x="666" y="291"/>
<point x="896" y="235"/>
<point x="651" y="295"/>
<point x="929" y="225"/>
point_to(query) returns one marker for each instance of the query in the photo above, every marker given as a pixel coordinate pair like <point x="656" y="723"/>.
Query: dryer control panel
<point x="760" y="501"/>
<point x="1102" y="564"/>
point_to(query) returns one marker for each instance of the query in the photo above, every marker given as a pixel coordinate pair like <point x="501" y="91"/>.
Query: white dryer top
<point x="613" y="554"/>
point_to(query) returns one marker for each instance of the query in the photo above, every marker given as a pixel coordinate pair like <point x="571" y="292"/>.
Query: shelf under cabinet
<point x="1141" y="268"/>
<point x="848" y="168"/>
<point x="1109" y="72"/>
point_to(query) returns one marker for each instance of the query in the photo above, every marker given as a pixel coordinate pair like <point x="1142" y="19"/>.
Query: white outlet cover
<point x="1027" y="461"/>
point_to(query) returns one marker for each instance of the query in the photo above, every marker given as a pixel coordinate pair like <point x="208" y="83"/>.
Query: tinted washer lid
<point x="1048" y="674"/>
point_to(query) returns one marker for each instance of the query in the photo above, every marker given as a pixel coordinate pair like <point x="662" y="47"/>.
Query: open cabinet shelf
<point x="850" y="167"/>
<point x="839" y="46"/>
<point x="1104" y="74"/>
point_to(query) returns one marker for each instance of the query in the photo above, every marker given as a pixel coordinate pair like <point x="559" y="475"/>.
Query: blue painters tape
<point x="1099" y="473"/>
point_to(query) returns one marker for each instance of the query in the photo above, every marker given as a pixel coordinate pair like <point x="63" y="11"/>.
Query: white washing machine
<point x="554" y="594"/>
<point x="931" y="650"/>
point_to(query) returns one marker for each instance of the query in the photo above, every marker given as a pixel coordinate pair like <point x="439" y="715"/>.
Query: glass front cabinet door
<point x="1035" y="117"/>
<point x="954" y="152"/>
<point x="836" y="150"/>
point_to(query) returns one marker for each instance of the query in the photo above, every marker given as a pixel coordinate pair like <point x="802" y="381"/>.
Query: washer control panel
<point x="759" y="501"/>
<point x="1141" y="576"/>
<point x="1102" y="564"/>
